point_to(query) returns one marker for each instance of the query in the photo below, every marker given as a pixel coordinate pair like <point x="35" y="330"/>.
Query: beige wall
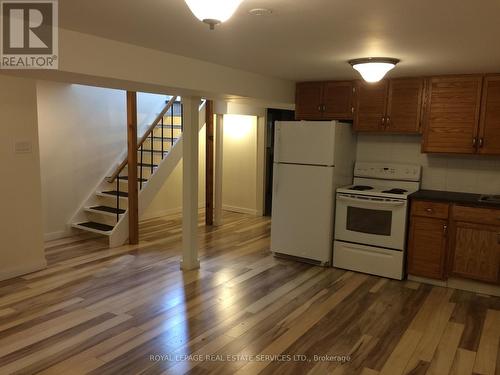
<point x="474" y="174"/>
<point x="240" y="172"/>
<point x="169" y="198"/>
<point x="21" y="214"/>
<point x="239" y="177"/>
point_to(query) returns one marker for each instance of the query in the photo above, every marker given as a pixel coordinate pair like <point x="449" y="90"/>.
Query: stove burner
<point x="361" y="188"/>
<point x="395" y="191"/>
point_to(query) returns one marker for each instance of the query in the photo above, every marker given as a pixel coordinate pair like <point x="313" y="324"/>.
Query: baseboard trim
<point x="241" y="210"/>
<point x="170" y="211"/>
<point x="178" y="210"/>
<point x="462" y="284"/>
<point x="157" y="214"/>
<point x="24" y="270"/>
<point x="58" y="235"/>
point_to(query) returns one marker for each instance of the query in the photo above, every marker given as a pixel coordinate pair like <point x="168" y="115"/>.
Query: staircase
<point x="158" y="153"/>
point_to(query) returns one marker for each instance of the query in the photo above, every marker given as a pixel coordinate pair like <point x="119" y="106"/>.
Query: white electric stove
<point x="371" y="218"/>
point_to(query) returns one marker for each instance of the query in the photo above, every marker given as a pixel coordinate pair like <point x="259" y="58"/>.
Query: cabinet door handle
<point x="445" y="230"/>
<point x="383" y="122"/>
<point x="388" y="120"/>
<point x="320" y="108"/>
<point x="429" y="210"/>
<point x="324" y="107"/>
<point x="474" y="142"/>
<point x="481" y="142"/>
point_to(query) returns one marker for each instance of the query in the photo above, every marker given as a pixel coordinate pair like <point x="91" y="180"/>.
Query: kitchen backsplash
<point x="471" y="174"/>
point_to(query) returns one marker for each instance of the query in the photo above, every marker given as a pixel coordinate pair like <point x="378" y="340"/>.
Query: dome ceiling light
<point x="373" y="69"/>
<point x="213" y="12"/>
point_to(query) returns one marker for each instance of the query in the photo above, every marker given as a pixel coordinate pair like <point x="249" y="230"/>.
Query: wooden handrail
<point x="143" y="139"/>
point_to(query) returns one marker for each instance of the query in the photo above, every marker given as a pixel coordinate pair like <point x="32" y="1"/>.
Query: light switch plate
<point x="23" y="147"/>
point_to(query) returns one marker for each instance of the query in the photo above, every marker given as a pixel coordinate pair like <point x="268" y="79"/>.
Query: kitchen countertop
<point x="468" y="199"/>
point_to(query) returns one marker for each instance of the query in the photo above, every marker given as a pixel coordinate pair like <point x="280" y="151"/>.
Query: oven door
<point x="373" y="221"/>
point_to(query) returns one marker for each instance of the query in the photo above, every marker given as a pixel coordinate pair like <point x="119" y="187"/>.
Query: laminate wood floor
<point x="130" y="310"/>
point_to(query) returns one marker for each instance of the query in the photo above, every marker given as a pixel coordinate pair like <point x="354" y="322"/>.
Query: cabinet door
<point x="404" y="106"/>
<point x="308" y="101"/>
<point x="427" y="247"/>
<point x="370" y="109"/>
<point x="475" y="253"/>
<point x="489" y="133"/>
<point x="337" y="100"/>
<point x="452" y="114"/>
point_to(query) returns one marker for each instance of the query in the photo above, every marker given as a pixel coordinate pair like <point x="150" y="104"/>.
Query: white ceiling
<point x="308" y="39"/>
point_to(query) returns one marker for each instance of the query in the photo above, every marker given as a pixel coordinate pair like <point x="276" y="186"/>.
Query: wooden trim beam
<point x="133" y="192"/>
<point x="209" y="163"/>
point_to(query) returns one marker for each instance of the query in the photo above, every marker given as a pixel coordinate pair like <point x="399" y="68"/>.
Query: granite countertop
<point x="468" y="199"/>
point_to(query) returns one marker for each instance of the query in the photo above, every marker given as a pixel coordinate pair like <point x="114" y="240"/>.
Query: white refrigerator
<point x="311" y="160"/>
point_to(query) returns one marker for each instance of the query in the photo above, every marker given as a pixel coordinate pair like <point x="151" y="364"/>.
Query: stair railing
<point x="148" y="135"/>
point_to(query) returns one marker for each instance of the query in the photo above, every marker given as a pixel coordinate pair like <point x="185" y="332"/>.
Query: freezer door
<point x="302" y="216"/>
<point x="305" y="142"/>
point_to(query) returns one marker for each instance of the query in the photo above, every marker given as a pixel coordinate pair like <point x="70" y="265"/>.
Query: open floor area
<point x="131" y="310"/>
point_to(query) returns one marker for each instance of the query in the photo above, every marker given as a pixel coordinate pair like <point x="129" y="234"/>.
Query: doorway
<point x="273" y="115"/>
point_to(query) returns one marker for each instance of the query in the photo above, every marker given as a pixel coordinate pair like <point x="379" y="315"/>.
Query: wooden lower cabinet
<point x="469" y="249"/>
<point x="427" y="247"/>
<point x="475" y="252"/>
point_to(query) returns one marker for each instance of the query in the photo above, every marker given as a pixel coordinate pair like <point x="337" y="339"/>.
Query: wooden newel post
<point x="133" y="192"/>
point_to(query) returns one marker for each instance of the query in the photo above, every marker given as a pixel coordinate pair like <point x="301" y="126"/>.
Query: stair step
<point x="154" y="151"/>
<point x="106" y="209"/>
<point x="114" y="193"/>
<point x="147" y="165"/>
<point x="169" y="126"/>
<point x="138" y="179"/>
<point x="94" y="227"/>
<point x="169" y="139"/>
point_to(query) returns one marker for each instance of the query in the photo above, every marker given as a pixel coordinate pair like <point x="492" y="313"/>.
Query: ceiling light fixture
<point x="213" y="12"/>
<point x="260" y="12"/>
<point x="373" y="69"/>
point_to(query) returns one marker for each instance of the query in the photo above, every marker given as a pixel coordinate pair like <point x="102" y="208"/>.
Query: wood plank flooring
<point x="130" y="310"/>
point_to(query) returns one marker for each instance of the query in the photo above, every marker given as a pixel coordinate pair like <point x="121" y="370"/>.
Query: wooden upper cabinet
<point x="404" y="106"/>
<point x="489" y="130"/>
<point x="452" y="114"/>
<point x="308" y="101"/>
<point x="324" y="100"/>
<point x="338" y="100"/>
<point x="476" y="252"/>
<point x="370" y="108"/>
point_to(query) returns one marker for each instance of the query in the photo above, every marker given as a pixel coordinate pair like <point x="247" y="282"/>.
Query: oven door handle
<point x="372" y="201"/>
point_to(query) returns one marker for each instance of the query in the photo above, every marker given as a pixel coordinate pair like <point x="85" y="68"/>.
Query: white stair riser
<point x="146" y="172"/>
<point x="167" y="120"/>
<point x="157" y="144"/>
<point x="101" y="218"/>
<point x="146" y="157"/>
<point x="111" y="201"/>
<point x="109" y="214"/>
<point x="167" y="132"/>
